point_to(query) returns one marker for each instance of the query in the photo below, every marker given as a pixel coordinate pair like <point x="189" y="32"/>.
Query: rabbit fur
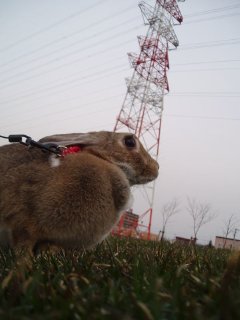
<point x="76" y="202"/>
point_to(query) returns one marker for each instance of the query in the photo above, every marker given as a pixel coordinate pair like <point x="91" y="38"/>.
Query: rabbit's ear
<point x="86" y="139"/>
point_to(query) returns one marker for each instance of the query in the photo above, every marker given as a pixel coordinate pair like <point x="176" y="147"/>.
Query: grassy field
<point x="122" y="279"/>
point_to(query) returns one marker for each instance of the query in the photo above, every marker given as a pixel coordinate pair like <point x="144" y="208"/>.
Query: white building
<point x="227" y="243"/>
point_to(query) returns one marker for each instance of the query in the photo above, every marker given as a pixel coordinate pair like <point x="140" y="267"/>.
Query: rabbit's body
<point x="74" y="204"/>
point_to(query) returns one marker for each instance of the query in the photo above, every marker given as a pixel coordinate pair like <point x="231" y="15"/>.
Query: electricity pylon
<point x="142" y="108"/>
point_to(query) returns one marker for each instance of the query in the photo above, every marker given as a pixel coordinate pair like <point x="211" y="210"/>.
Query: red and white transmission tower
<point x="142" y="107"/>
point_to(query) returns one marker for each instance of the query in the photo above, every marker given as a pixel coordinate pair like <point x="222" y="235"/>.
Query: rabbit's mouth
<point x="144" y="180"/>
<point x="149" y="173"/>
<point x="129" y="172"/>
<point x="132" y="177"/>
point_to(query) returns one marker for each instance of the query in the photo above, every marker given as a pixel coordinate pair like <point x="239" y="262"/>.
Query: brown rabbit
<point x="76" y="200"/>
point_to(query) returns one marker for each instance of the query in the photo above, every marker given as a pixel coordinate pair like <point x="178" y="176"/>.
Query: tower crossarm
<point x="153" y="96"/>
<point x="171" y="7"/>
<point x="152" y="62"/>
<point x="154" y="49"/>
<point x="159" y="22"/>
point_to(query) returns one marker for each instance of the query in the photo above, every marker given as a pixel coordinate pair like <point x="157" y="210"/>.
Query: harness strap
<point x="50" y="147"/>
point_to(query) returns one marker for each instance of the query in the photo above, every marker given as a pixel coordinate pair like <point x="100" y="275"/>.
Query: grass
<point x="122" y="279"/>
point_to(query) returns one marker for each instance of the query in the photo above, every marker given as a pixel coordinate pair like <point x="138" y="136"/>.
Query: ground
<point x="122" y="279"/>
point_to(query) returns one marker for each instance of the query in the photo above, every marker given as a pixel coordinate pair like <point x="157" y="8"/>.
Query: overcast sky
<point x="62" y="69"/>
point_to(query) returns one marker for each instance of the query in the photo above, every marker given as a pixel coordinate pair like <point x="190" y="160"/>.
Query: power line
<point x="204" y="70"/>
<point x="63" y="38"/>
<point x="89" y="56"/>
<point x="199" y="13"/>
<point x="67" y="101"/>
<point x="42" y="73"/>
<point x="206" y="62"/>
<point x="55" y="24"/>
<point x="229" y="94"/>
<point x="68" y="109"/>
<point x="86" y="28"/>
<point x="165" y="115"/>
<point x="67" y="55"/>
<point x="209" y="92"/>
<point x="70" y="63"/>
<point x="114" y="58"/>
<point x="200" y="45"/>
<point x="66" y="87"/>
<point x="115" y="96"/>
<point x="102" y="74"/>
<point x="213" y="18"/>
<point x="100" y="110"/>
<point x="57" y="68"/>
<point x="33" y="93"/>
<point x="90" y="25"/>
<point x="200" y="117"/>
<point x="202" y="95"/>
<point x="186" y="47"/>
<point x="96" y="127"/>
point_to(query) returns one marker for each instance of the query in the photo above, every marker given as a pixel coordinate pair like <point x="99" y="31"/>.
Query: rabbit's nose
<point x="157" y="165"/>
<point x="156" y="168"/>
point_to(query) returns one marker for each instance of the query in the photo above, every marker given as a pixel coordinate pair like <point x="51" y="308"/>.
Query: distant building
<point x="130" y="220"/>
<point x="128" y="226"/>
<point x="228" y="243"/>
<point x="145" y="236"/>
<point x="185" y="241"/>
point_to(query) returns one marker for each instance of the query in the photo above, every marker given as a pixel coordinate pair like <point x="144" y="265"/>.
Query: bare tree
<point x="168" y="210"/>
<point x="230" y="225"/>
<point x="201" y="214"/>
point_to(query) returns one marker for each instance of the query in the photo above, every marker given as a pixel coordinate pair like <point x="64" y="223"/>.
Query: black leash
<point x="28" y="141"/>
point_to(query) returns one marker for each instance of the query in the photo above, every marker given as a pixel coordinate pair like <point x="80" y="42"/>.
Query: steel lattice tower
<point x="141" y="111"/>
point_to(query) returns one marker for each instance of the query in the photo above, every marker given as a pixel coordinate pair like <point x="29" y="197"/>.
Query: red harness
<point x="69" y="150"/>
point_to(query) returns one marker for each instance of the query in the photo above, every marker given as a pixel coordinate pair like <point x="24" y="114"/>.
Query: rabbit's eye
<point x="130" y="142"/>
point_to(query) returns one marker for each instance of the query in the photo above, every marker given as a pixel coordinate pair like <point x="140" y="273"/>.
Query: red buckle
<point x="69" y="150"/>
